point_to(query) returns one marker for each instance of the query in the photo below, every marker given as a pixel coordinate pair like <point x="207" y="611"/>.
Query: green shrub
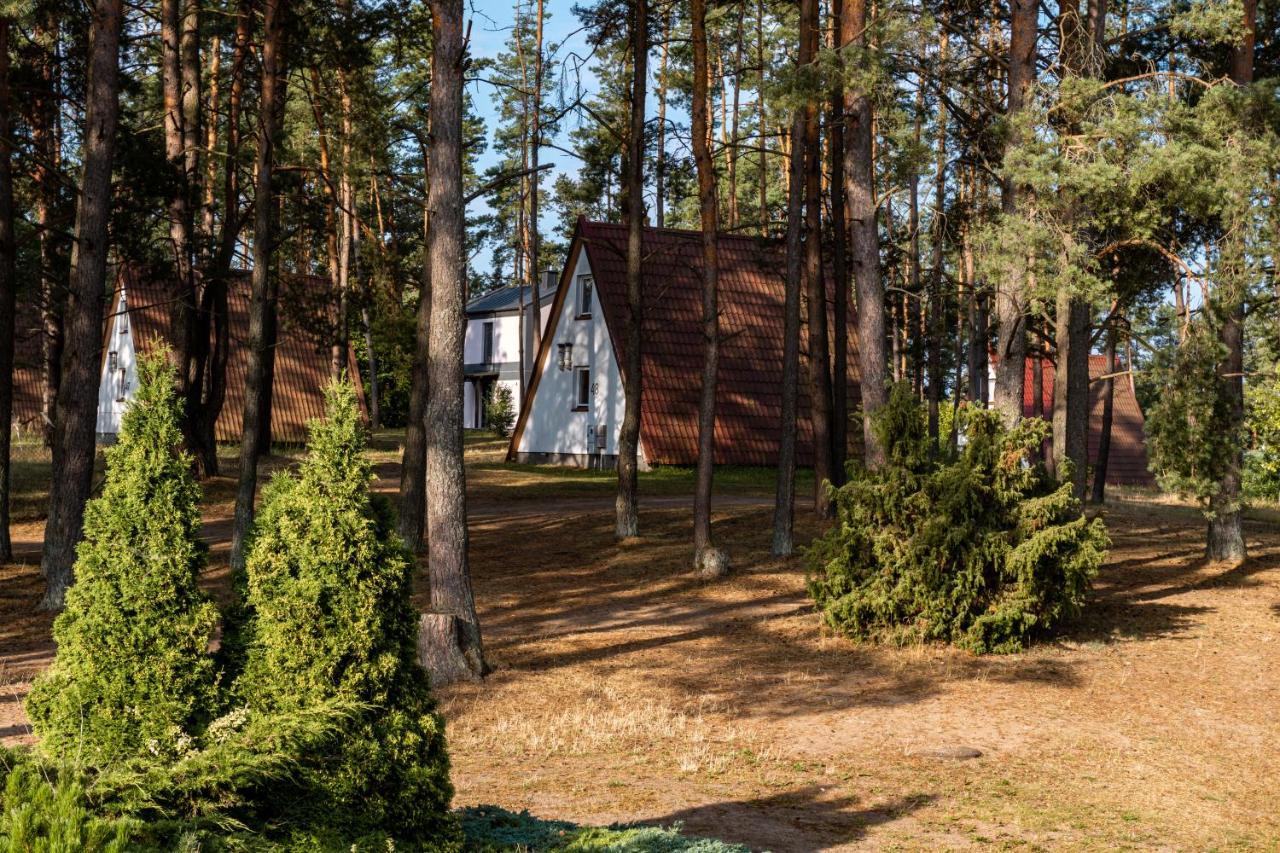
<point x="42" y="814"/>
<point x="979" y="549"/>
<point x="499" y="409"/>
<point x="329" y="618"/>
<point x="133" y="674"/>
<point x="1262" y="459"/>
<point x="490" y="829"/>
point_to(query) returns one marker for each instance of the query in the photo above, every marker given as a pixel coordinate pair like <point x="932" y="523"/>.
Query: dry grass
<point x="624" y="690"/>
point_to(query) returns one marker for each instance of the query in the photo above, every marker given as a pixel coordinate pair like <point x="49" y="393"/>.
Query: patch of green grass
<point x="490" y="829"/>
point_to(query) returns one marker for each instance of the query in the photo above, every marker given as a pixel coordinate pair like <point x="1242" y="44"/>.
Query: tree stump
<point x="441" y="651"/>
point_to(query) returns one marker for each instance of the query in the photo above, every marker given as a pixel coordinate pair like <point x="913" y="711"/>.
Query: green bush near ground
<point x="329" y="618"/>
<point x="133" y="675"/>
<point x="975" y="547"/>
<point x="490" y="829"/>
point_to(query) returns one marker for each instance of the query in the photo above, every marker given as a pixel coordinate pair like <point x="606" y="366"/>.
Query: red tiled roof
<point x="1127" y="459"/>
<point x="302" y="352"/>
<point x="751" y="296"/>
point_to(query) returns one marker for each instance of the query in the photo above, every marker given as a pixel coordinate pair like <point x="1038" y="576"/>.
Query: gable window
<point x="564" y="356"/>
<point x="586" y="294"/>
<point x="582" y="383"/>
<point x="488" y="343"/>
<point x="123" y="325"/>
<point x="117" y="377"/>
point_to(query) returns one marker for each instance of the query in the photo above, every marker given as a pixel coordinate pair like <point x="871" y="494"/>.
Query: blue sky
<point x="491" y="22"/>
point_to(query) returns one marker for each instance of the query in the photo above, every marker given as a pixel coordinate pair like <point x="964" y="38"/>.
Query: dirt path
<point x="625" y="691"/>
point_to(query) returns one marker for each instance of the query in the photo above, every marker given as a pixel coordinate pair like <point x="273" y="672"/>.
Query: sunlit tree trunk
<point x="8" y="287"/>
<point x="1010" y="301"/>
<point x="708" y="208"/>
<point x="784" y="500"/>
<point x="452" y="599"/>
<point x="627" y="511"/>
<point x="839" y="273"/>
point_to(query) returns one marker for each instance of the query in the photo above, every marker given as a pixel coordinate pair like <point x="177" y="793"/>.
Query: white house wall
<point x="553" y="425"/>
<point x="120" y="341"/>
<point x="505" y="360"/>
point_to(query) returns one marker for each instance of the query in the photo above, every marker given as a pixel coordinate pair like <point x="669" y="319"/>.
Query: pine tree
<point x="977" y="549"/>
<point x="329" y="618"/>
<point x="133" y="674"/>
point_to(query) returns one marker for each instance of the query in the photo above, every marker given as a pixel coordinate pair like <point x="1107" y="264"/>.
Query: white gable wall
<point x="554" y="426"/>
<point x="124" y="376"/>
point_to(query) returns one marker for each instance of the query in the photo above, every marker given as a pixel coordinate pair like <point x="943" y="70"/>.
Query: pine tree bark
<point x="660" y="151"/>
<point x="839" y="273"/>
<point x="182" y="310"/>
<point x="258" y="376"/>
<point x="447" y="540"/>
<point x="77" y="405"/>
<point x="627" y="510"/>
<point x="1071" y="390"/>
<point x="708" y="209"/>
<point x="937" y="299"/>
<point x="1226" y="534"/>
<point x="413" y="467"/>
<point x="45" y="175"/>
<point x="8" y="287"/>
<point x="819" y="350"/>
<point x="534" y="273"/>
<point x="211" y="371"/>
<point x="1108" y="414"/>
<point x="785" y="496"/>
<point x="1011" y="322"/>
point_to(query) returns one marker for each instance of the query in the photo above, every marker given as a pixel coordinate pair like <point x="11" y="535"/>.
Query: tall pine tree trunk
<point x="1108" y="413"/>
<point x="708" y="208"/>
<point x="258" y="376"/>
<point x="45" y="175"/>
<point x="8" y="287"/>
<point x="1011" y="323"/>
<point x="627" y="510"/>
<point x="1226" y="535"/>
<point x="840" y="275"/>
<point x="452" y="600"/>
<point x="785" y="496"/>
<point x="77" y="406"/>
<point x="864" y="243"/>
<point x="819" y="350"/>
<point x="413" y="467"/>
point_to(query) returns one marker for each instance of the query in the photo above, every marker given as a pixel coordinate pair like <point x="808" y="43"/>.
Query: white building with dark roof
<point x="499" y="345"/>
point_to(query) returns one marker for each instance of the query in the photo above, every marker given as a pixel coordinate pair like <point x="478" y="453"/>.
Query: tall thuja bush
<point x="133" y="675"/>
<point x="328" y="617"/>
<point x="975" y="547"/>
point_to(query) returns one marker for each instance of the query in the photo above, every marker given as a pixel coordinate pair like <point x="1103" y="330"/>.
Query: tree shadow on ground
<point x="796" y="821"/>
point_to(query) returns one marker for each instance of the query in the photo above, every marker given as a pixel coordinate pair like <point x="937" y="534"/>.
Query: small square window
<point x="586" y="295"/>
<point x="583" y="385"/>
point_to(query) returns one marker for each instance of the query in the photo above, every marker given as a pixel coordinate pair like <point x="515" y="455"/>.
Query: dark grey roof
<point x="505" y="299"/>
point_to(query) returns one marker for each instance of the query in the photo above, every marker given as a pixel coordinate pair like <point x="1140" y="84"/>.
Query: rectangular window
<point x="124" y="315"/>
<point x="122" y="385"/>
<point x="583" y="397"/>
<point x="488" y="343"/>
<point x="113" y="362"/>
<point x="586" y="286"/>
<point x="564" y="356"/>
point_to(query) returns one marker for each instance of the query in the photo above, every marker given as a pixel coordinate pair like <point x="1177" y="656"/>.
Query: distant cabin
<point x="574" y="404"/>
<point x="137" y="321"/>
<point x="498" y="348"/>
<point x="1127" y="456"/>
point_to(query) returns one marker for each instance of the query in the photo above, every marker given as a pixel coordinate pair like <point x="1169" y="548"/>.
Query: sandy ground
<point x="623" y="691"/>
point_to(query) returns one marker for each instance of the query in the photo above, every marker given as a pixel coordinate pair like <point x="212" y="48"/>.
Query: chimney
<point x="550" y="281"/>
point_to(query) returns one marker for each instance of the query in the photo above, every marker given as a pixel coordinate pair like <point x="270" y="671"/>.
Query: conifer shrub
<point x="133" y="674"/>
<point x="328" y="617"/>
<point x="976" y="547"/>
<point x="500" y="409"/>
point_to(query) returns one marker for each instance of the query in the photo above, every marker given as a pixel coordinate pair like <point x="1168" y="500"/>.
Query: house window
<point x="123" y="325"/>
<point x="583" y="384"/>
<point x="117" y="377"/>
<point x="586" y="286"/>
<point x="564" y="356"/>
<point x="488" y="343"/>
